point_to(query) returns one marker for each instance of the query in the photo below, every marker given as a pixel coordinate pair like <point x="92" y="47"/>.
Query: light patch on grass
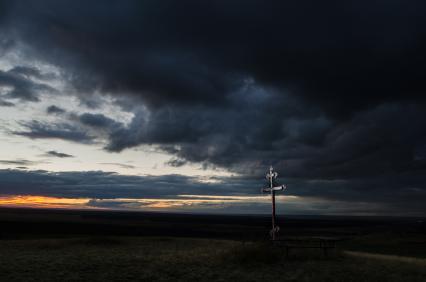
<point x="387" y="257"/>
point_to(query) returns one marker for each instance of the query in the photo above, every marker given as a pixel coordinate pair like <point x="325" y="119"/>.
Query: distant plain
<point x="61" y="245"/>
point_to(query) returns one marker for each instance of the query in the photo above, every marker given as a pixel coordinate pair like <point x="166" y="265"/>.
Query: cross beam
<point x="276" y="188"/>
<point x="270" y="176"/>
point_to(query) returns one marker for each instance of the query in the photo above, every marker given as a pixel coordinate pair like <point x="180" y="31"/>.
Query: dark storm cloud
<point x="21" y="86"/>
<point x="196" y="52"/>
<point x="76" y="129"/>
<point x="58" y="154"/>
<point x="176" y="162"/>
<point x="52" y="109"/>
<point x="64" y="131"/>
<point x="31" y="72"/>
<point x="335" y="64"/>
<point x="325" y="91"/>
<point x="106" y="185"/>
<point x="97" y="120"/>
<point x="90" y="102"/>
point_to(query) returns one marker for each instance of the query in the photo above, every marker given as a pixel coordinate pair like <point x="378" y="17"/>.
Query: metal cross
<point x="271" y="176"/>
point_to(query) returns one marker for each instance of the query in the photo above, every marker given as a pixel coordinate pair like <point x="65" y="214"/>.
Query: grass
<point x="390" y="243"/>
<point x="420" y="262"/>
<point x="178" y="259"/>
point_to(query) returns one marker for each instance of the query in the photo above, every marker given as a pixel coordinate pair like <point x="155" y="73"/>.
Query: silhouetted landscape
<point x="51" y="245"/>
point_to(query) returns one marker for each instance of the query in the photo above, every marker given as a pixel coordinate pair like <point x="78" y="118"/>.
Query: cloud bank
<point x="330" y="93"/>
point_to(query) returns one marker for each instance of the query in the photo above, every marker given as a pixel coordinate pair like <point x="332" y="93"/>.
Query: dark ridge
<point x="24" y="223"/>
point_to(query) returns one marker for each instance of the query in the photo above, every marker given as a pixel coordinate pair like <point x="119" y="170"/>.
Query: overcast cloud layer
<point x="331" y="93"/>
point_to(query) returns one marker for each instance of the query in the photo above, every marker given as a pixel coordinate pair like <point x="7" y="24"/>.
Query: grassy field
<point x="62" y="245"/>
<point x="187" y="259"/>
<point x="389" y="243"/>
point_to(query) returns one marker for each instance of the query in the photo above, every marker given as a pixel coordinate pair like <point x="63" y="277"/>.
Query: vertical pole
<point x="273" y="202"/>
<point x="273" y="214"/>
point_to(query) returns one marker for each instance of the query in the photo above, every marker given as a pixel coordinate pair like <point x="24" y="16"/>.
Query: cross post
<point x="271" y="176"/>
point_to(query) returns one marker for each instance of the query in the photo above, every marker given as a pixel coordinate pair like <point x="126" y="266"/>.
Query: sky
<point x="182" y="106"/>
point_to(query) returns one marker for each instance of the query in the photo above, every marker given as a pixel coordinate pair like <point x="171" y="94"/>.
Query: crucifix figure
<point x="271" y="176"/>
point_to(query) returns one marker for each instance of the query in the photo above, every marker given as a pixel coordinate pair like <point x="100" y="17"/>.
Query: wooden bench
<point x="323" y="243"/>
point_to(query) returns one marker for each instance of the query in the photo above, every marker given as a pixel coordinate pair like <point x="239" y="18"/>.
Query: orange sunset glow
<point x="42" y="202"/>
<point x="183" y="201"/>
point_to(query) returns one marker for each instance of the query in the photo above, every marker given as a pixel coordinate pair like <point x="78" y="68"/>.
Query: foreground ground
<point x="185" y="259"/>
<point x="81" y="246"/>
